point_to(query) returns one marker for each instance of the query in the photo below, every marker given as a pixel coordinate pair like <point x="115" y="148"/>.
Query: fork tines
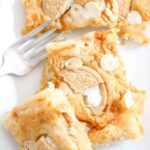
<point x="33" y="32"/>
<point x="31" y="46"/>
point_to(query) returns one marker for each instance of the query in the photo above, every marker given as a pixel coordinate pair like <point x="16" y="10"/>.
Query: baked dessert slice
<point x="91" y="73"/>
<point x="72" y="14"/>
<point x="130" y="16"/>
<point x="47" y="122"/>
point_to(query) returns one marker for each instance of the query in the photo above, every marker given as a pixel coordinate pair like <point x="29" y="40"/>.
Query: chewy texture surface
<point x="92" y="62"/>
<point x="47" y="122"/>
<point x="84" y="13"/>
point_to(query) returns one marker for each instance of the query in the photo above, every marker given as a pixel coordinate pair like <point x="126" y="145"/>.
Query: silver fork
<point x="24" y="55"/>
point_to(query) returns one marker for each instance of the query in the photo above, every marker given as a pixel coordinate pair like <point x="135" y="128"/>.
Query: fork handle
<point x="4" y="71"/>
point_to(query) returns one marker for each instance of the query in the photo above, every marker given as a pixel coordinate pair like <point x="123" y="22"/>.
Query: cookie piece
<point x="47" y="122"/>
<point x="91" y="73"/>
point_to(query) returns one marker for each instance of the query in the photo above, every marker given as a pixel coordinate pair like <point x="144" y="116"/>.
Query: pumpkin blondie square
<point x="91" y="73"/>
<point x="46" y="121"/>
<point x="130" y="16"/>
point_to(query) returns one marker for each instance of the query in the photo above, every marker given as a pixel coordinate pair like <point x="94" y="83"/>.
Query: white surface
<point x="14" y="89"/>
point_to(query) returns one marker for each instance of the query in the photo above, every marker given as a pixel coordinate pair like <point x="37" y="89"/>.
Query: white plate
<point x="14" y="89"/>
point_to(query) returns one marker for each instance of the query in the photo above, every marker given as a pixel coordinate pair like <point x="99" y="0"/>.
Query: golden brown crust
<point x="46" y="121"/>
<point x="34" y="15"/>
<point x="133" y="32"/>
<point x="126" y="125"/>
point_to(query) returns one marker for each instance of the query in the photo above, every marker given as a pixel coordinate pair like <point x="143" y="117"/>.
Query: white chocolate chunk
<point x="109" y="62"/>
<point x="86" y="13"/>
<point x="128" y="99"/>
<point x="93" y="96"/>
<point x="134" y="18"/>
<point x="78" y="13"/>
